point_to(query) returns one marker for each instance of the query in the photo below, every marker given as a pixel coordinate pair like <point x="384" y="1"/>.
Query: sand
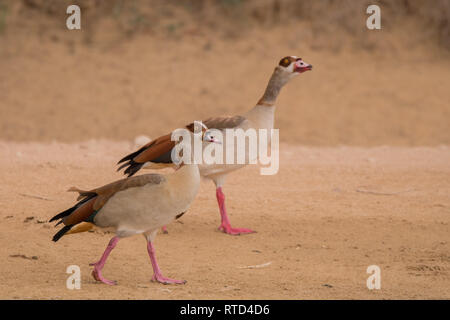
<point x="365" y="147"/>
<point x="321" y="221"/>
<point x="51" y="91"/>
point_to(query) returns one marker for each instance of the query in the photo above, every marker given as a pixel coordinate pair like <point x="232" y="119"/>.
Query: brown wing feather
<point x="81" y="214"/>
<point x="93" y="200"/>
<point x="158" y="151"/>
<point x="104" y="193"/>
<point x="83" y="193"/>
<point x="224" y="122"/>
<point x="161" y="146"/>
<point x="107" y="191"/>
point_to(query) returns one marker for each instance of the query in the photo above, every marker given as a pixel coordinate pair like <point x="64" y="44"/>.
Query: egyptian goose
<point x="134" y="205"/>
<point x="157" y="152"/>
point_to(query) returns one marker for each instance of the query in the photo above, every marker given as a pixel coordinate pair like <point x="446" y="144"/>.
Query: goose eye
<point x="285" y="62"/>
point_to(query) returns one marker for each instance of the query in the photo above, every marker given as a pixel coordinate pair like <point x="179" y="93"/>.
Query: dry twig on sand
<point x="257" y="266"/>
<point x="34" y="197"/>
<point x="382" y="193"/>
<point x="23" y="256"/>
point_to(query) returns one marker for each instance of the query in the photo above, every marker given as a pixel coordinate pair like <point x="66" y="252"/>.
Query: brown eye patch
<point x="286" y="61"/>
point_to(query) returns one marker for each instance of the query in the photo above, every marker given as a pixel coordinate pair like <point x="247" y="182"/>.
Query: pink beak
<point x="301" y="66"/>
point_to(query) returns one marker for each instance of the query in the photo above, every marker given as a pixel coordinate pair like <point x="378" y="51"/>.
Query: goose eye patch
<point x="285" y="62"/>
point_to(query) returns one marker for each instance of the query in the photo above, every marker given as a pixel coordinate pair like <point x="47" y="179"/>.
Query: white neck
<point x="186" y="179"/>
<point x="261" y="116"/>
<point x="187" y="171"/>
<point x="278" y="79"/>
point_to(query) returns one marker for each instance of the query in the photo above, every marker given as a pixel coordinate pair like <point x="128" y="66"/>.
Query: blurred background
<point x="147" y="67"/>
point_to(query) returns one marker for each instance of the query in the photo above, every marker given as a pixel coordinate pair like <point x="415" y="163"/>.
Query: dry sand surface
<point x="330" y="212"/>
<point x="150" y="85"/>
<point x="322" y="220"/>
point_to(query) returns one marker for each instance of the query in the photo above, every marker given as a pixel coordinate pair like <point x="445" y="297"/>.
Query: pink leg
<point x="98" y="266"/>
<point x="226" y="225"/>
<point x="157" y="275"/>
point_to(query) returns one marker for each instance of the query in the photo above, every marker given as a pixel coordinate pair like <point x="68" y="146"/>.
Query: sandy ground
<point x="117" y="90"/>
<point x="322" y="220"/>
<point x="327" y="215"/>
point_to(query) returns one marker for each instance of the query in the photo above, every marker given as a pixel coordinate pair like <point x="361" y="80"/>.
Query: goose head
<point x="292" y="65"/>
<point x="210" y="136"/>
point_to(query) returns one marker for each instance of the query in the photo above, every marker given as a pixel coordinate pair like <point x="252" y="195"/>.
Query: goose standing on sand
<point x="135" y="205"/>
<point x="157" y="152"/>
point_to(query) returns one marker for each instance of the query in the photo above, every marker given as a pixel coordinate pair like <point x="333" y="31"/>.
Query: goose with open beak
<point x="157" y="152"/>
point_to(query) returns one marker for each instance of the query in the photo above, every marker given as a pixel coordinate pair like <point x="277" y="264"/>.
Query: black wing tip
<point x="67" y="212"/>
<point x="123" y="165"/>
<point x="131" y="156"/>
<point x="61" y="232"/>
<point x="63" y="214"/>
<point x="126" y="158"/>
<point x="133" y="168"/>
